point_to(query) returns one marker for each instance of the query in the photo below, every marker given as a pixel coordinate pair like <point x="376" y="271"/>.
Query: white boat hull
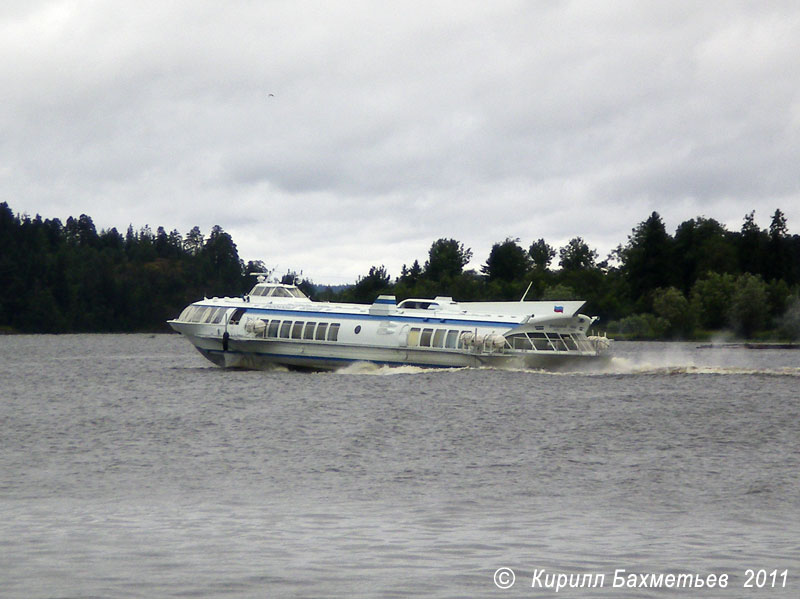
<point x="277" y="325"/>
<point x="267" y="354"/>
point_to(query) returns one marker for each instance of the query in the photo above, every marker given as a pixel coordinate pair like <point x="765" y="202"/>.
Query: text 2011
<point x="765" y="579"/>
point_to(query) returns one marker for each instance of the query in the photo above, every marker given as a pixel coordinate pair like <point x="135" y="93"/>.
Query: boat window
<point x="308" y="333"/>
<point x="218" y="316"/>
<point x="520" y="341"/>
<point x="558" y="342"/>
<point x="185" y="314"/>
<point x="333" y="332"/>
<point x="438" y="338"/>
<point x="274" y="325"/>
<point x="540" y="341"/>
<point x="280" y="293"/>
<point x="203" y="316"/>
<point x="236" y="316"/>
<point x="297" y="293"/>
<point x="425" y="339"/>
<point x="413" y="337"/>
<point x="321" y="330"/>
<point x="286" y="327"/>
<point x="452" y="339"/>
<point x="571" y="345"/>
<point x="297" y="330"/>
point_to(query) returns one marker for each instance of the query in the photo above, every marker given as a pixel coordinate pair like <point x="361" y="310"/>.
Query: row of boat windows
<point x="435" y="338"/>
<point x="276" y="292"/>
<point x="297" y="330"/>
<point x="210" y="314"/>
<point x="202" y="314"/>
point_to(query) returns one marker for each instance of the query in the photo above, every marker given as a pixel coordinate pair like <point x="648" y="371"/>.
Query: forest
<point x="704" y="279"/>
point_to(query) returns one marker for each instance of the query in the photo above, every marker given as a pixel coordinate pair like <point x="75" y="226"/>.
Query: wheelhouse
<point x="277" y="290"/>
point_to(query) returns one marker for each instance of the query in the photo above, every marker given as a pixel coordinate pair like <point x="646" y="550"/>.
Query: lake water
<point x="132" y="467"/>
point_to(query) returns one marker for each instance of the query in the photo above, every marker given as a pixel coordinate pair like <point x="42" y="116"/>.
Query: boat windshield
<point x="276" y="291"/>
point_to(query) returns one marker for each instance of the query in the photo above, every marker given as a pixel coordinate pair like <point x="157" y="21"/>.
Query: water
<point x="132" y="467"/>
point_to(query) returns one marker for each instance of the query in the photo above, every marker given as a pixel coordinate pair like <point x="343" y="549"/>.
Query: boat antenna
<point x="528" y="289"/>
<point x="264" y="275"/>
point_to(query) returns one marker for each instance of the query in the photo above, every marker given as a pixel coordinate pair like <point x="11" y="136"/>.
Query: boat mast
<point x="526" y="291"/>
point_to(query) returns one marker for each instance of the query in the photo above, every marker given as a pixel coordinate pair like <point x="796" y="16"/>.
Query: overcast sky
<point x="331" y="136"/>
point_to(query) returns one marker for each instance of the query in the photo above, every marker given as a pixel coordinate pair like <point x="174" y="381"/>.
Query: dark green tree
<point x="752" y="246"/>
<point x="671" y="305"/>
<point x="559" y="291"/>
<point x="702" y="245"/>
<point x="647" y="260"/>
<point x="778" y="228"/>
<point x="711" y="299"/>
<point x="446" y="258"/>
<point x="368" y="288"/>
<point x="577" y="255"/>
<point x="749" y="304"/>
<point x="255" y="266"/>
<point x="542" y="254"/>
<point x="194" y="241"/>
<point x="779" y="265"/>
<point x="507" y="261"/>
<point x="223" y="267"/>
<point x="82" y="232"/>
<point x="410" y="276"/>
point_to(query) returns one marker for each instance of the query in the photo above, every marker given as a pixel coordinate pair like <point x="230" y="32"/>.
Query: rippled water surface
<point x="131" y="467"/>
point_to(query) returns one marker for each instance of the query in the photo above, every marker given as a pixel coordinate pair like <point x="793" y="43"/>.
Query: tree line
<point x="68" y="277"/>
<point x="58" y="277"/>
<point x="657" y="285"/>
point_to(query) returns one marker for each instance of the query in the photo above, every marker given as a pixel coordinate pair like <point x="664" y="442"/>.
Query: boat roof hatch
<point x="418" y="303"/>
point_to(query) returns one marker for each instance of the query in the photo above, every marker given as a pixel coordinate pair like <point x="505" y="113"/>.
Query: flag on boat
<point x="558" y="309"/>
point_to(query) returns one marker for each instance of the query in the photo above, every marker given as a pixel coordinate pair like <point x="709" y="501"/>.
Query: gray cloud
<point x="394" y="124"/>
